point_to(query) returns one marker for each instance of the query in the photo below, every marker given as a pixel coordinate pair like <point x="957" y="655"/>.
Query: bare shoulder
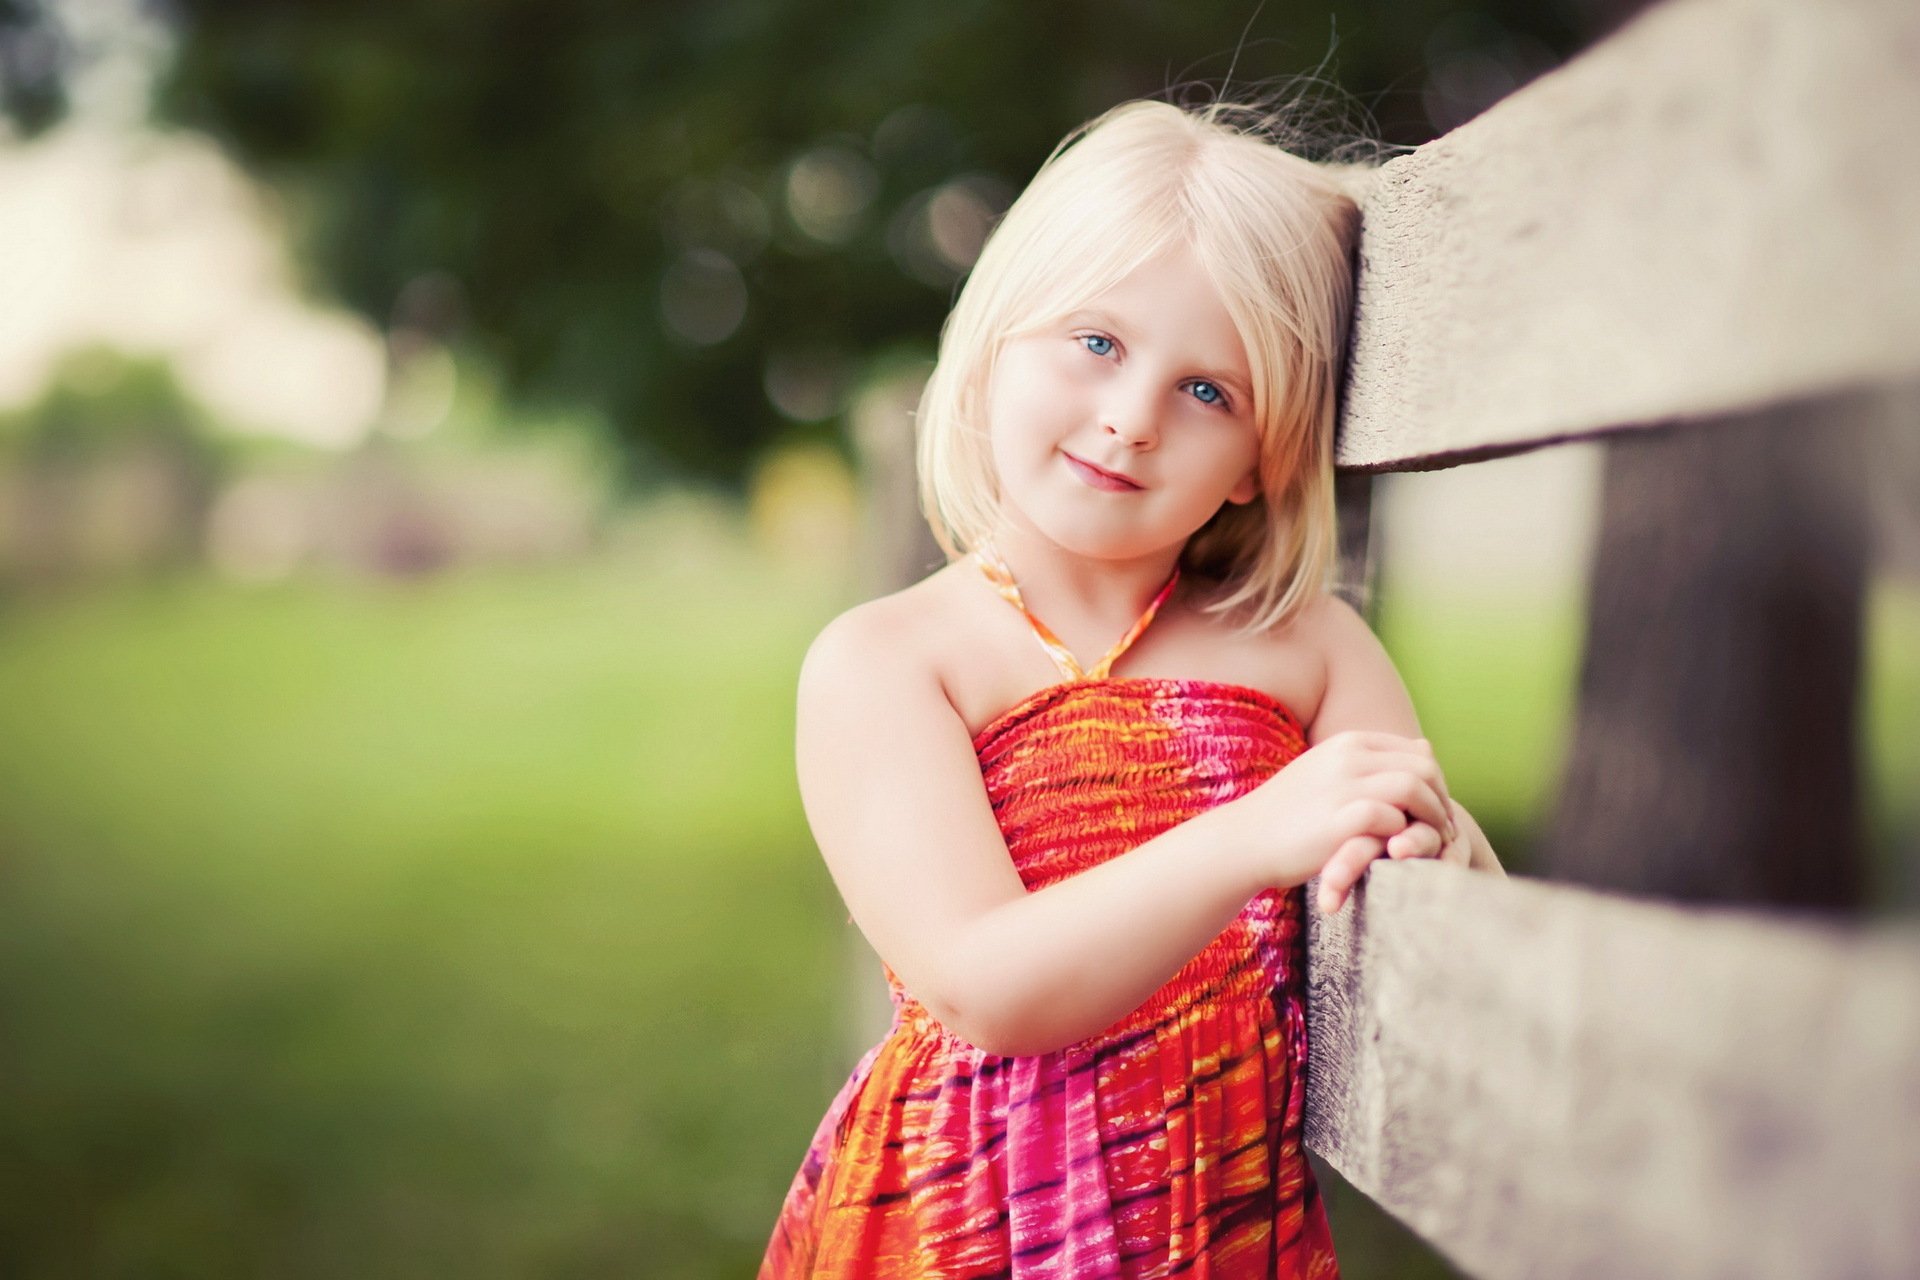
<point x="884" y="646"/>
<point x="1333" y="627"/>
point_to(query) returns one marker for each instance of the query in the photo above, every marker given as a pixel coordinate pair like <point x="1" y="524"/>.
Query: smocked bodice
<point x="1087" y="769"/>
<point x="1082" y="771"/>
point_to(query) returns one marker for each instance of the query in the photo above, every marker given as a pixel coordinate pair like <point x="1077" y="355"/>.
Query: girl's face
<point x="1149" y="383"/>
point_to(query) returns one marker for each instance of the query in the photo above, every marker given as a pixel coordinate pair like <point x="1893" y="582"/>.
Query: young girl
<point x="1086" y="880"/>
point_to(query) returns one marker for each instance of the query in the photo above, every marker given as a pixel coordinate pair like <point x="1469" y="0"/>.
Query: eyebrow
<point x="1105" y="320"/>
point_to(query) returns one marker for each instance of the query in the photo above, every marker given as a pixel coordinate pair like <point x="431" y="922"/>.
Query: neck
<point x="1060" y="583"/>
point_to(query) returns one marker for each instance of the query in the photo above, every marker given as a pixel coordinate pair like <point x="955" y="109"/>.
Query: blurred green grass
<point x="468" y="927"/>
<point x="471" y="926"/>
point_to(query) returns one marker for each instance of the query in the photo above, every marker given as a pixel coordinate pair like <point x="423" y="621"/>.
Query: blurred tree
<point x="705" y="220"/>
<point x="35" y="58"/>
<point x="1715" y="755"/>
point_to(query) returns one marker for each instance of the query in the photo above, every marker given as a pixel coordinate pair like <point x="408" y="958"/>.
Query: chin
<point x="1100" y="544"/>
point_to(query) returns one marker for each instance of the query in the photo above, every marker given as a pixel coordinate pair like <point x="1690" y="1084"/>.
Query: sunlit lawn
<point x="470" y="927"/>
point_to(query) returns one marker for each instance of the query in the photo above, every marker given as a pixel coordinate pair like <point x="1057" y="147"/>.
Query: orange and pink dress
<point x="1168" y="1144"/>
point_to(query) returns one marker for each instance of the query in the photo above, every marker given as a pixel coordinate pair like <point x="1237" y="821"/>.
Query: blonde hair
<point x="1277" y="235"/>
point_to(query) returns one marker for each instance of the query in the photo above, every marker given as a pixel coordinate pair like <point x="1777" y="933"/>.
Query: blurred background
<point x="430" y="435"/>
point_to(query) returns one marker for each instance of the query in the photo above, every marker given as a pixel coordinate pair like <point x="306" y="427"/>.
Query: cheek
<point x="1010" y="391"/>
<point x="1235" y="451"/>
<point x="1230" y="462"/>
<point x="1026" y="403"/>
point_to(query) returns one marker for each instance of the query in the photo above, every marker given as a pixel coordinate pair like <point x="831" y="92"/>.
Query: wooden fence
<point x="1709" y="214"/>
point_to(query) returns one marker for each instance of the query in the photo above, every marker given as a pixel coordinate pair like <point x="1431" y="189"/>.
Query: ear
<point x="1246" y="490"/>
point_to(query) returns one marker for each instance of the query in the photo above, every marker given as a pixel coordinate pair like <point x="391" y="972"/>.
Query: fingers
<point x="1373" y="752"/>
<point x="1344" y="869"/>
<point x="1370" y="816"/>
<point x="1419" y="840"/>
<point x="1414" y="840"/>
<point x="1423" y="766"/>
<point x="1413" y="794"/>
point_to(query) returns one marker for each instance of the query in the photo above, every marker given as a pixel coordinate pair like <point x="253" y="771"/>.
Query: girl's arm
<point x="892" y="791"/>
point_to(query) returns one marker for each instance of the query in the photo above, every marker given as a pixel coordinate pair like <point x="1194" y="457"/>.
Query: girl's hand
<point x="1421" y="840"/>
<point x="1334" y="808"/>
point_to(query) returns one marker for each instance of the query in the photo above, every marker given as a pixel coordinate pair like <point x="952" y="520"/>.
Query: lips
<point x="1100" y="478"/>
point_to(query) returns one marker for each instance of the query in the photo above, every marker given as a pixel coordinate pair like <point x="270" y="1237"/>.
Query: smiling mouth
<point x="1099" y="479"/>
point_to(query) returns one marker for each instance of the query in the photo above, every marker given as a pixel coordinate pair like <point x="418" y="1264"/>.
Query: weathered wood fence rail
<point x="1712" y="213"/>
<point x="1545" y="1081"/>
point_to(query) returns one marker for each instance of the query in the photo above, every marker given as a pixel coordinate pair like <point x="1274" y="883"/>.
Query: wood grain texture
<point x="1706" y="212"/>
<point x="1550" y="1081"/>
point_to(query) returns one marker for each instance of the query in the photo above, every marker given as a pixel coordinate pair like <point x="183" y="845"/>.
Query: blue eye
<point x="1089" y="340"/>
<point x="1207" y="393"/>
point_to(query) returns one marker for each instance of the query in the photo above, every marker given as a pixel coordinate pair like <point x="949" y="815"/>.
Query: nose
<point x="1131" y="416"/>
